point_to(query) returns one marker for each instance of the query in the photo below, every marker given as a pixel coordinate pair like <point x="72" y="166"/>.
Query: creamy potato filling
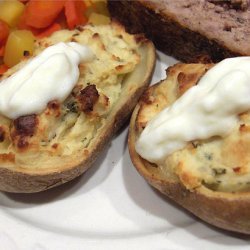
<point x="219" y="163"/>
<point x="66" y="129"/>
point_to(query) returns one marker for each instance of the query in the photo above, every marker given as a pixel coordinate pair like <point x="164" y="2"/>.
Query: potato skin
<point x="34" y="180"/>
<point x="230" y="211"/>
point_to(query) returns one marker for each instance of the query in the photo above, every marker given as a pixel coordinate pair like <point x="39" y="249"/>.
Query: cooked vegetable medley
<point x="24" y="21"/>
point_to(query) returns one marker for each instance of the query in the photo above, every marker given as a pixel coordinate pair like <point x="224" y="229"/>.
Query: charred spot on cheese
<point x="186" y="81"/>
<point x="54" y="105"/>
<point x="53" y="108"/>
<point x="244" y="128"/>
<point x="87" y="98"/>
<point x="7" y="157"/>
<point x="147" y="98"/>
<point x="26" y="125"/>
<point x="2" y="134"/>
<point x="237" y="169"/>
<point x="55" y="145"/>
<point x="22" y="142"/>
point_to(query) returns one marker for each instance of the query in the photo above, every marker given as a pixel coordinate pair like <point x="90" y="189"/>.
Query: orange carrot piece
<point x="42" y="13"/>
<point x="22" y="25"/>
<point x="50" y="30"/>
<point x="74" y="12"/>
<point x="3" y="69"/>
<point x="4" y="31"/>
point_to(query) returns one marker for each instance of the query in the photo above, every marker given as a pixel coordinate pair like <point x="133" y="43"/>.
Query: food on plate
<point x="56" y="116"/>
<point x="190" y="30"/>
<point x="20" y="19"/>
<point x="189" y="138"/>
<point x="11" y="11"/>
<point x="19" y="43"/>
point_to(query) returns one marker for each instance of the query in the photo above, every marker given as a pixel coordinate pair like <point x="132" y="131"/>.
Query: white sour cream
<point x="49" y="76"/>
<point x="205" y="110"/>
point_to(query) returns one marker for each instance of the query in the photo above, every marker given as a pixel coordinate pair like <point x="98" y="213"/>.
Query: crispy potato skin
<point x="30" y="180"/>
<point x="226" y="210"/>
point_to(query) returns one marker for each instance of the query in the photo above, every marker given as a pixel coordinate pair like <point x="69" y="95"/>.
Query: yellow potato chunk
<point x="10" y="11"/>
<point x="20" y="43"/>
<point x="97" y="6"/>
<point x="98" y="19"/>
<point x="101" y="7"/>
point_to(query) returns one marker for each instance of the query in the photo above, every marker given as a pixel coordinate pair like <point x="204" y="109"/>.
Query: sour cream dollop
<point x="49" y="76"/>
<point x="208" y="109"/>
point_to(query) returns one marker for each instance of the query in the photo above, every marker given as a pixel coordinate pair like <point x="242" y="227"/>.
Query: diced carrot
<point x="61" y="19"/>
<point x="50" y="30"/>
<point x="74" y="12"/>
<point x="2" y="50"/>
<point x="3" y="68"/>
<point x="42" y="13"/>
<point x="22" y="25"/>
<point x="22" y="21"/>
<point x="4" y="31"/>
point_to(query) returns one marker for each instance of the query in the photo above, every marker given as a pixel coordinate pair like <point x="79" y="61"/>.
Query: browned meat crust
<point x="87" y="98"/>
<point x="179" y="36"/>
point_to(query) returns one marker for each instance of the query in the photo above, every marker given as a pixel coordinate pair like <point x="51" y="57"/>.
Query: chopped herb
<point x="72" y="107"/>
<point x="212" y="186"/>
<point x="196" y="144"/>
<point x="208" y="156"/>
<point x="84" y="139"/>
<point x="219" y="171"/>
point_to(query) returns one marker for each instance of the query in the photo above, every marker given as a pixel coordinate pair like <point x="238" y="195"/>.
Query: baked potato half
<point x="41" y="151"/>
<point x="210" y="178"/>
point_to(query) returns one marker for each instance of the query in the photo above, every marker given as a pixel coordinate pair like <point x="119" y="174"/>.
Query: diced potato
<point x="88" y="3"/>
<point x="19" y="43"/>
<point x="97" y="6"/>
<point x="10" y="11"/>
<point x="90" y="9"/>
<point x="101" y="7"/>
<point x="98" y="19"/>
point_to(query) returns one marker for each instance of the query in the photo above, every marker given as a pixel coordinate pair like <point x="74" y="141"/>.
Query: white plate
<point x="110" y="207"/>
